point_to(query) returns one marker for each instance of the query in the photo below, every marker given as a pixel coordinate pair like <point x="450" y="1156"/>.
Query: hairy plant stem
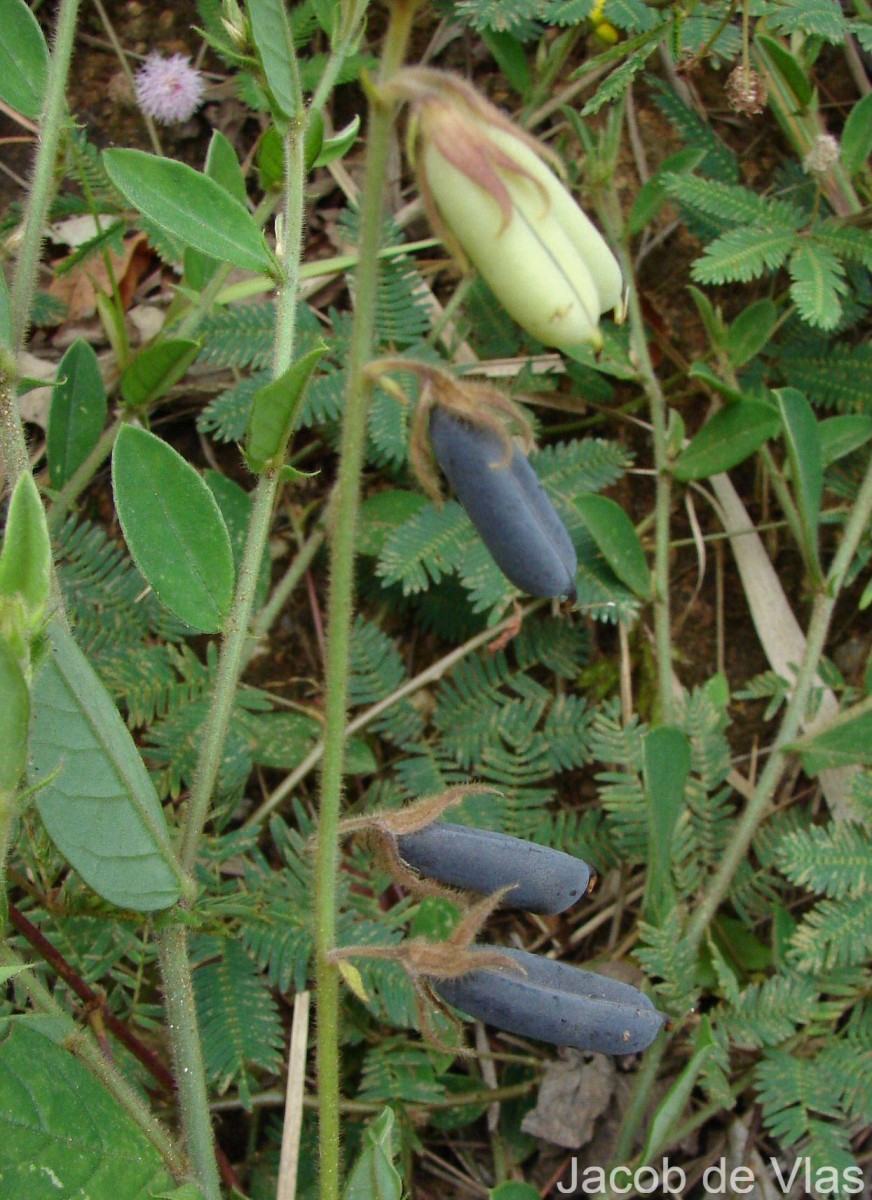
<point x="175" y="964"/>
<point x="613" y="220"/>
<point x="80" y="1043"/>
<point x="181" y="1018"/>
<point x="759" y="804"/>
<point x="12" y="441"/>
<point x="346" y="44"/>
<point x="341" y="601"/>
<point x="236" y="633"/>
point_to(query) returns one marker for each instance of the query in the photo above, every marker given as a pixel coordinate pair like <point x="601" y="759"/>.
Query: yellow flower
<point x="495" y="203"/>
<point x="603" y="28"/>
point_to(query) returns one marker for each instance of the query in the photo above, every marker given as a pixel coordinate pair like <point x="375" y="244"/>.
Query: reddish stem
<point x="95" y="1003"/>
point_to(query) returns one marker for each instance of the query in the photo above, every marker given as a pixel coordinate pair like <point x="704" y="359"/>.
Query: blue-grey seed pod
<point x="542" y="880"/>
<point x="507" y="505"/>
<point x="557" y="1003"/>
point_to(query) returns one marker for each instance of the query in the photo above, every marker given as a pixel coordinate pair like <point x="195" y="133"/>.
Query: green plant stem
<point x="340" y="602"/>
<point x="275" y="1098"/>
<point x="345" y="45"/>
<point x="759" y="804"/>
<point x="236" y="633"/>
<point x="175" y="965"/>
<point x="42" y="186"/>
<point x="82" y="1045"/>
<point x="611" y="212"/>
<point x="181" y="1016"/>
<point x="12" y="441"/>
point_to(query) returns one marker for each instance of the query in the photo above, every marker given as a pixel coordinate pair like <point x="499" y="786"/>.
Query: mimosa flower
<point x="169" y="89"/>
<point x="495" y="203"/>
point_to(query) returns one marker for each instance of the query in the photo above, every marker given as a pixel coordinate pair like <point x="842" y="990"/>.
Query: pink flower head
<point x="169" y="89"/>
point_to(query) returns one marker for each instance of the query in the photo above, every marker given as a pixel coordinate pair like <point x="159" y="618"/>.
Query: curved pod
<point x="557" y="1003"/>
<point x="542" y="880"/>
<point x="507" y="505"/>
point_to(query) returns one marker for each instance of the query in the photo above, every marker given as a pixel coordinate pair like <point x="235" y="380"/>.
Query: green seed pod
<point x="507" y="505"/>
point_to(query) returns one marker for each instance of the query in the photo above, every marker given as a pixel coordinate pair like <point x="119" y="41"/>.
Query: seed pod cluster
<point x="525" y="993"/>
<point x="507" y="505"/>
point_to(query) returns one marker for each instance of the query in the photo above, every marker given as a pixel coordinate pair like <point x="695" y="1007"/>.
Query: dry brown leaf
<point x="79" y="287"/>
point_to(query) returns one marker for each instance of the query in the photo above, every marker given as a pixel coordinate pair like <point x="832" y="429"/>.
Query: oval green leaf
<point x="235" y="504"/>
<point x="843" y="435"/>
<point x="96" y="798"/>
<point x="789" y="68"/>
<point x="174" y="529"/>
<point x="846" y="742"/>
<point x="665" y="769"/>
<point x="23" y="59"/>
<point x="155" y="369"/>
<point x="25" y="561"/>
<point x="857" y="136"/>
<point x="77" y="414"/>
<point x="274" y="412"/>
<point x="222" y="165"/>
<point x="190" y="206"/>
<point x="271" y="160"/>
<point x="728" y="438"/>
<point x="337" y="146"/>
<point x="617" y="541"/>
<point x="374" y="1176"/>
<point x="271" y="31"/>
<point x="750" y="331"/>
<point x="61" y="1131"/>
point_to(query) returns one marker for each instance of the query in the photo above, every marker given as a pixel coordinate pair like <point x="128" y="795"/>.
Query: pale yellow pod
<point x="589" y="243"/>
<point x="531" y="262"/>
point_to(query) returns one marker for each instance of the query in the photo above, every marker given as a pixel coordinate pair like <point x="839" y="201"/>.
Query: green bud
<point x="25" y="560"/>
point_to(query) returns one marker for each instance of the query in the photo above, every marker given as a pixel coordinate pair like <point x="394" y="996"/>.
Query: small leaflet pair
<point x="547" y="1000"/>
<point x="507" y="505"/>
